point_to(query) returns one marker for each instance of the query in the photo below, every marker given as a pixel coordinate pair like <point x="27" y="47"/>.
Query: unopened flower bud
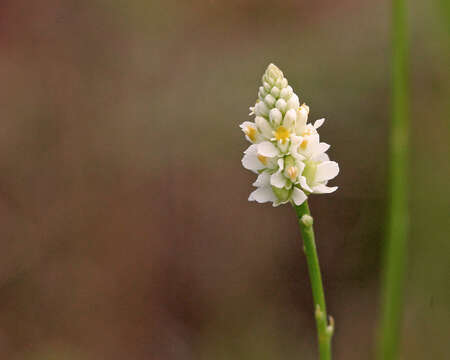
<point x="286" y="93"/>
<point x="264" y="126"/>
<point x="281" y="105"/>
<point x="269" y="80"/>
<point x="275" y="91"/>
<point x="289" y="118"/>
<point x="269" y="100"/>
<point x="302" y="118"/>
<point x="262" y="93"/>
<point x="274" y="72"/>
<point x="293" y="102"/>
<point x="275" y="117"/>
<point x="261" y="109"/>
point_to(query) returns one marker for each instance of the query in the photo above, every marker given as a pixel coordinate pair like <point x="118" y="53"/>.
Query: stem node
<point x="307" y="220"/>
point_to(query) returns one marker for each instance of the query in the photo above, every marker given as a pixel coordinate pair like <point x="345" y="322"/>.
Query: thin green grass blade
<point x="397" y="222"/>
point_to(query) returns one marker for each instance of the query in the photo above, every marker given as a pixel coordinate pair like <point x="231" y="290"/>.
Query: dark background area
<point x="124" y="223"/>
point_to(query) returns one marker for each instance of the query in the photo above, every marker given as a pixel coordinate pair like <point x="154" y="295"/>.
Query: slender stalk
<point x="397" y="224"/>
<point x="324" y="330"/>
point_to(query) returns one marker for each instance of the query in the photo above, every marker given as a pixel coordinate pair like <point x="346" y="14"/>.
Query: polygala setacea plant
<point x="291" y="163"/>
<point x="286" y="151"/>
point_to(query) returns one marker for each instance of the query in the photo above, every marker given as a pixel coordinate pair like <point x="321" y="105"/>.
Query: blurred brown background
<point x="124" y="223"/>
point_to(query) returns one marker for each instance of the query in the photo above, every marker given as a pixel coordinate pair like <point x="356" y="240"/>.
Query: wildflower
<point x="286" y="151"/>
<point x="318" y="168"/>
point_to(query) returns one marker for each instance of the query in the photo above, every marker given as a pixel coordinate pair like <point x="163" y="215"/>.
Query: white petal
<point x="304" y="184"/>
<point x="262" y="180"/>
<point x="262" y="195"/>
<point x="271" y="163"/>
<point x="319" y="149"/>
<point x="283" y="147"/>
<point x="296" y="139"/>
<point x="252" y="163"/>
<point x="286" y="92"/>
<point x="281" y="105"/>
<point x="298" y="156"/>
<point x="323" y="189"/>
<point x="322" y="147"/>
<point x="269" y="100"/>
<point x="278" y="202"/>
<point x="246" y="124"/>
<point x="262" y="92"/>
<point x="278" y="180"/>
<point x="261" y="109"/>
<point x="280" y="163"/>
<point x="293" y="102"/>
<point x="252" y="149"/>
<point x="275" y="116"/>
<point x="314" y="138"/>
<point x="293" y="150"/>
<point x="322" y="157"/>
<point x="312" y="142"/>
<point x="264" y="126"/>
<point x="298" y="196"/>
<point x="266" y="148"/>
<point x="301" y="166"/>
<point x="275" y="91"/>
<point x="289" y="118"/>
<point x="302" y="118"/>
<point x="326" y="171"/>
<point x="319" y="123"/>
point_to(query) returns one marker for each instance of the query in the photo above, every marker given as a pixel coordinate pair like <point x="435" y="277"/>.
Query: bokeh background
<point x="124" y="223"/>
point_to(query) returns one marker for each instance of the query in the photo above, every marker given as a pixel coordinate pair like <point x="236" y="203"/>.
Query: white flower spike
<point x="286" y="151"/>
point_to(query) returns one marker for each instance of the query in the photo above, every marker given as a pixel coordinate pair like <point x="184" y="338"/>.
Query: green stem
<point x="324" y="330"/>
<point x="397" y="224"/>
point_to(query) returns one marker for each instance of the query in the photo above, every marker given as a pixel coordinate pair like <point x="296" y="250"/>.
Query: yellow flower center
<point x="263" y="159"/>
<point x="250" y="132"/>
<point x="303" y="144"/>
<point x="282" y="134"/>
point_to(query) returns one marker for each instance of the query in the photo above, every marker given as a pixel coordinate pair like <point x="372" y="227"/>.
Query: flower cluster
<point x="286" y="151"/>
